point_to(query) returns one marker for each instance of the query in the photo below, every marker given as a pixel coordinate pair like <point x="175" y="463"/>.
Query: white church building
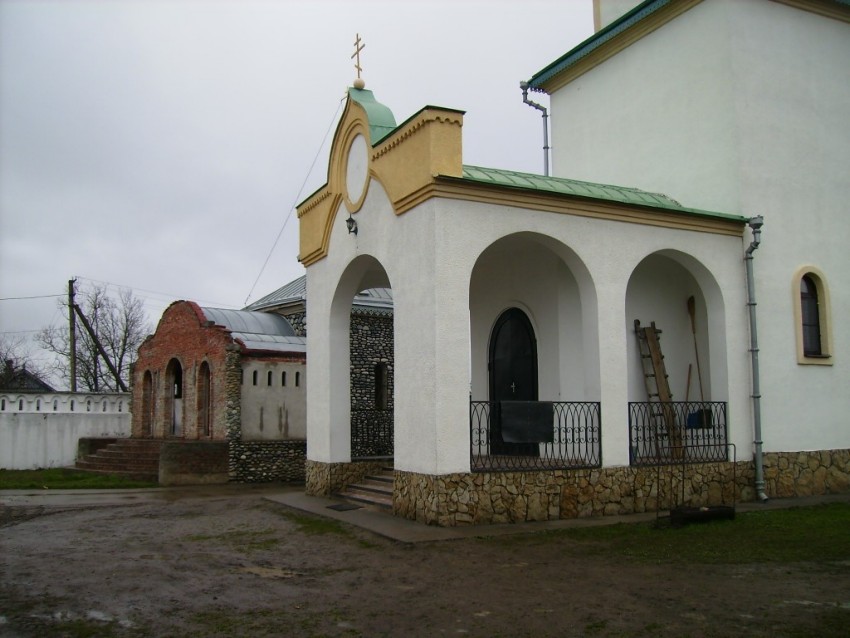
<point x="522" y="390"/>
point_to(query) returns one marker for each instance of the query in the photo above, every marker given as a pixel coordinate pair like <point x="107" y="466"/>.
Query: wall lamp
<point x="352" y="225"/>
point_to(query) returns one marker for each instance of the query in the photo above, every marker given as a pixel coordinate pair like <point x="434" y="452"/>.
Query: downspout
<point x="524" y="86"/>
<point x="755" y="224"/>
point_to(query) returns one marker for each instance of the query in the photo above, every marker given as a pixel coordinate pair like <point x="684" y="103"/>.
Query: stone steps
<point x="137" y="459"/>
<point x="375" y="491"/>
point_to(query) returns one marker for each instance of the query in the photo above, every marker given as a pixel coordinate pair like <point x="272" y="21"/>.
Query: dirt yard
<point x="238" y="565"/>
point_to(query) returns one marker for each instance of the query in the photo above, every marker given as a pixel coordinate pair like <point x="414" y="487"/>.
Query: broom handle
<point x="692" y="313"/>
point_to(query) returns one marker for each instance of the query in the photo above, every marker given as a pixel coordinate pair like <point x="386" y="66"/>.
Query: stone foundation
<point x="514" y="497"/>
<point x="267" y="461"/>
<point x="789" y="474"/>
<point x="324" y="479"/>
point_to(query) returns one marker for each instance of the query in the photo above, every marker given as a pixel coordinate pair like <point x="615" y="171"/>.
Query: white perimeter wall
<point x="36" y="436"/>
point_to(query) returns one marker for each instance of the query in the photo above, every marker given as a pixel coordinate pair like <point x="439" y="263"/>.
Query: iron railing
<point x="573" y="442"/>
<point x="371" y="434"/>
<point x="677" y="432"/>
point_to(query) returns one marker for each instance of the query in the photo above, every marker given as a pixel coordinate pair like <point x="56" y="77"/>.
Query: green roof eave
<point x="381" y="118"/>
<point x="585" y="190"/>
<point x="599" y="38"/>
<point x="609" y="32"/>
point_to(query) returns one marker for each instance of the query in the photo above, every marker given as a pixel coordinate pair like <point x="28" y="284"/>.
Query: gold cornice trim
<point x="566" y="205"/>
<point x="820" y="7"/>
<point x="619" y="42"/>
<point x="414" y="126"/>
<point x="314" y="201"/>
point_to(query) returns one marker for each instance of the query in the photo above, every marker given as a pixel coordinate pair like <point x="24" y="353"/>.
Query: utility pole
<point x="72" y="328"/>
<point x="100" y="349"/>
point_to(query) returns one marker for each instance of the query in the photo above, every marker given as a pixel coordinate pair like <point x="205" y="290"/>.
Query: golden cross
<point x="358" y="47"/>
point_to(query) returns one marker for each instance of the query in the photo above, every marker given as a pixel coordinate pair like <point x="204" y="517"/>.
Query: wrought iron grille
<point x="575" y="440"/>
<point x="371" y="434"/>
<point x="677" y="432"/>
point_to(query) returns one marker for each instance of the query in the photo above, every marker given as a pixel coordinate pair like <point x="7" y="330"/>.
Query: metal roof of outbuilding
<point x="374" y="299"/>
<point x="258" y="330"/>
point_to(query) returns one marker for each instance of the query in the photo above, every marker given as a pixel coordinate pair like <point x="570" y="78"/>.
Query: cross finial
<point x="359" y="45"/>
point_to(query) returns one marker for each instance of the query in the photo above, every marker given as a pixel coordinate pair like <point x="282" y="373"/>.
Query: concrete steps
<point x="133" y="458"/>
<point x="375" y="491"/>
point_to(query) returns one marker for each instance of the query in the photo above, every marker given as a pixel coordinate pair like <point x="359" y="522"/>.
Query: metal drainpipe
<point x="755" y="224"/>
<point x="524" y="86"/>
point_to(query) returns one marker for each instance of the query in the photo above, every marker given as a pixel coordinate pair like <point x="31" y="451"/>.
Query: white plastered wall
<point x="273" y="411"/>
<point x="740" y="107"/>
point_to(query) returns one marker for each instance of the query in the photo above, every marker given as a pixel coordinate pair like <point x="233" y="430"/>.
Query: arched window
<point x="810" y="317"/>
<point x="147" y="404"/>
<point x="813" y="317"/>
<point x="254" y="377"/>
<point x="204" y="400"/>
<point x="382" y="387"/>
<point x="283" y="378"/>
<point x="269" y="378"/>
<point x="297" y="379"/>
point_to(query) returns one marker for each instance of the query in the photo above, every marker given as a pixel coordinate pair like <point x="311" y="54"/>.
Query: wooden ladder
<point x="658" y="388"/>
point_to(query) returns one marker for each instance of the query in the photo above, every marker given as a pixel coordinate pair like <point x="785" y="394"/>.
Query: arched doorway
<point x="513" y="378"/>
<point x="174" y="396"/>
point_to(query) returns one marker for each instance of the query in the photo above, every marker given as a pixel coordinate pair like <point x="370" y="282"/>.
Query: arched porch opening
<point x="541" y="291"/>
<point x="676" y="294"/>
<point x="362" y="349"/>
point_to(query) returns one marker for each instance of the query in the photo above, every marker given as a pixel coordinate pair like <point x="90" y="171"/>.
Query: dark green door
<point x="513" y="376"/>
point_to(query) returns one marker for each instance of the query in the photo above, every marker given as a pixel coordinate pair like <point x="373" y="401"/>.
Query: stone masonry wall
<point x="512" y="497"/>
<point x="371" y="343"/>
<point x="268" y="461"/>
<point x="323" y="479"/>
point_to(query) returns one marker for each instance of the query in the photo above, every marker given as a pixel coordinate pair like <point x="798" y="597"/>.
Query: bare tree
<point x="16" y="357"/>
<point x="119" y="324"/>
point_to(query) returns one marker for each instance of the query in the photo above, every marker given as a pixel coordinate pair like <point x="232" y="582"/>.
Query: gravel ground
<point x="238" y="565"/>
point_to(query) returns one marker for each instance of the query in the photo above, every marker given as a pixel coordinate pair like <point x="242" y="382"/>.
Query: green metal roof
<point x="587" y="190"/>
<point x="595" y="41"/>
<point x="381" y="119"/>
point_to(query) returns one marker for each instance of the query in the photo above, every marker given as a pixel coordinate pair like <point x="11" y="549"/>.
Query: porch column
<point x="328" y="390"/>
<point x="613" y="370"/>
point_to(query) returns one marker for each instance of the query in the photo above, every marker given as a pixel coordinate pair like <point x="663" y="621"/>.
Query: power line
<point x="297" y="197"/>
<point x="169" y="297"/>
<point x="31" y="297"/>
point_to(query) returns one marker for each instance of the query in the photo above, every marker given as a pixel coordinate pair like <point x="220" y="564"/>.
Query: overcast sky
<point x="161" y="146"/>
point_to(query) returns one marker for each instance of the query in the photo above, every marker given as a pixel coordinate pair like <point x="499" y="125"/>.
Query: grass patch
<point x="801" y="534"/>
<point x="65" y="479"/>
<point x="315" y="525"/>
<point x="319" y="526"/>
